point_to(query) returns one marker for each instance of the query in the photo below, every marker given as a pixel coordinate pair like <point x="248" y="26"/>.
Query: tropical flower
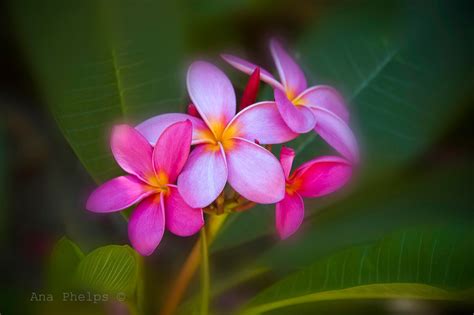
<point x="312" y="179"/>
<point x="319" y="107"/>
<point x="150" y="183"/>
<point x="225" y="143"/>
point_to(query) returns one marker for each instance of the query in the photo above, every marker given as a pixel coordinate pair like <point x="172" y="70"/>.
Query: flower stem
<point x="190" y="266"/>
<point x="205" y="281"/>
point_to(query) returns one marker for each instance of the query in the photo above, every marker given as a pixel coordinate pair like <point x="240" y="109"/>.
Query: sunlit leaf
<point x="110" y="269"/>
<point x="420" y="263"/>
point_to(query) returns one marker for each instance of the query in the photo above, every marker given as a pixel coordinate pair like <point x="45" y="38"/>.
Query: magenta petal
<point x="287" y="155"/>
<point x="322" y="176"/>
<point x="289" y="215"/>
<point x="117" y="194"/>
<point x="249" y="68"/>
<point x="326" y="97"/>
<point x="203" y="177"/>
<point x="262" y="122"/>
<point x="291" y="75"/>
<point x="147" y="225"/>
<point x="152" y="128"/>
<point x="172" y="149"/>
<point x="181" y="219"/>
<point x="211" y="92"/>
<point x="300" y="119"/>
<point x="132" y="151"/>
<point x="255" y="173"/>
<point x="336" y="132"/>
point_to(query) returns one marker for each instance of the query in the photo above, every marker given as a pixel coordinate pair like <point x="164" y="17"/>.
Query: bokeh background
<point x="71" y="69"/>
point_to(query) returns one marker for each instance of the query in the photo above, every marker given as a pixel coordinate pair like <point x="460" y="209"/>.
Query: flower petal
<point x="117" y="194"/>
<point x="287" y="155"/>
<point x="147" y="225"/>
<point x="203" y="177"/>
<point x="300" y="119"/>
<point x="254" y="172"/>
<point x="181" y="219"/>
<point x="212" y="94"/>
<point x="289" y="215"/>
<point x="336" y="132"/>
<point x="321" y="176"/>
<point x="262" y="122"/>
<point x="172" y="149"/>
<point x="152" y="128"/>
<point x="251" y="90"/>
<point x="326" y="97"/>
<point x="132" y="151"/>
<point x="291" y="75"/>
<point x="248" y="68"/>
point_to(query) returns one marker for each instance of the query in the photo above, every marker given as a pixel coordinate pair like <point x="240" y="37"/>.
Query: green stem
<point x="205" y="281"/>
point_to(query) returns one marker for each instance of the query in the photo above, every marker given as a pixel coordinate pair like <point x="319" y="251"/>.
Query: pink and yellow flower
<point x="312" y="179"/>
<point x="150" y="184"/>
<point x="225" y="142"/>
<point x="319" y="107"/>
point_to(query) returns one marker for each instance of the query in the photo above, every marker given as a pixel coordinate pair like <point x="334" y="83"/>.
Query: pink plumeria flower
<point x="312" y="179"/>
<point x="319" y="107"/>
<point x="150" y="183"/>
<point x="225" y="148"/>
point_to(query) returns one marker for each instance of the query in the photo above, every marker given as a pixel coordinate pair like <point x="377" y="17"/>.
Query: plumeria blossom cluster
<point x="216" y="159"/>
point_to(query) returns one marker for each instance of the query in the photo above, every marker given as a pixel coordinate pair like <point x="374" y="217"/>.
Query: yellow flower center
<point x="221" y="134"/>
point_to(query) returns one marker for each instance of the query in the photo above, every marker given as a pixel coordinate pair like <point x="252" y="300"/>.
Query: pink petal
<point x="300" y="119"/>
<point x="336" y="132"/>
<point x="132" y="151"/>
<point x="262" y="122"/>
<point x="248" y="68"/>
<point x="147" y="225"/>
<point x="250" y="93"/>
<point x="172" y="149"/>
<point x="291" y="75"/>
<point x="287" y="155"/>
<point x="117" y="194"/>
<point x="321" y="176"/>
<point x="152" y="128"/>
<point x="289" y="215"/>
<point x="181" y="219"/>
<point x="254" y="172"/>
<point x="326" y="97"/>
<point x="203" y="177"/>
<point x="212" y="93"/>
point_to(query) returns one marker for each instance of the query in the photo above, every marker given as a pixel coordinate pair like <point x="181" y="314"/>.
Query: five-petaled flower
<point x="319" y="107"/>
<point x="314" y="178"/>
<point x="150" y="183"/>
<point x="225" y="142"/>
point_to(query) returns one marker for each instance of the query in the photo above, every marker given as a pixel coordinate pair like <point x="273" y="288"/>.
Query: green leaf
<point x="110" y="269"/>
<point x="64" y="261"/>
<point x="420" y="263"/>
<point x="100" y="63"/>
<point x="406" y="81"/>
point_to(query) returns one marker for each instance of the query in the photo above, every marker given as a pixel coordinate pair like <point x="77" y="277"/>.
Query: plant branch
<point x="205" y="281"/>
<point x="190" y="266"/>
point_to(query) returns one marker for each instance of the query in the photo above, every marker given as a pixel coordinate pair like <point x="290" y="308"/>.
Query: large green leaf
<point x="110" y="269"/>
<point x="406" y="80"/>
<point x="419" y="263"/>
<point x="102" y="62"/>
